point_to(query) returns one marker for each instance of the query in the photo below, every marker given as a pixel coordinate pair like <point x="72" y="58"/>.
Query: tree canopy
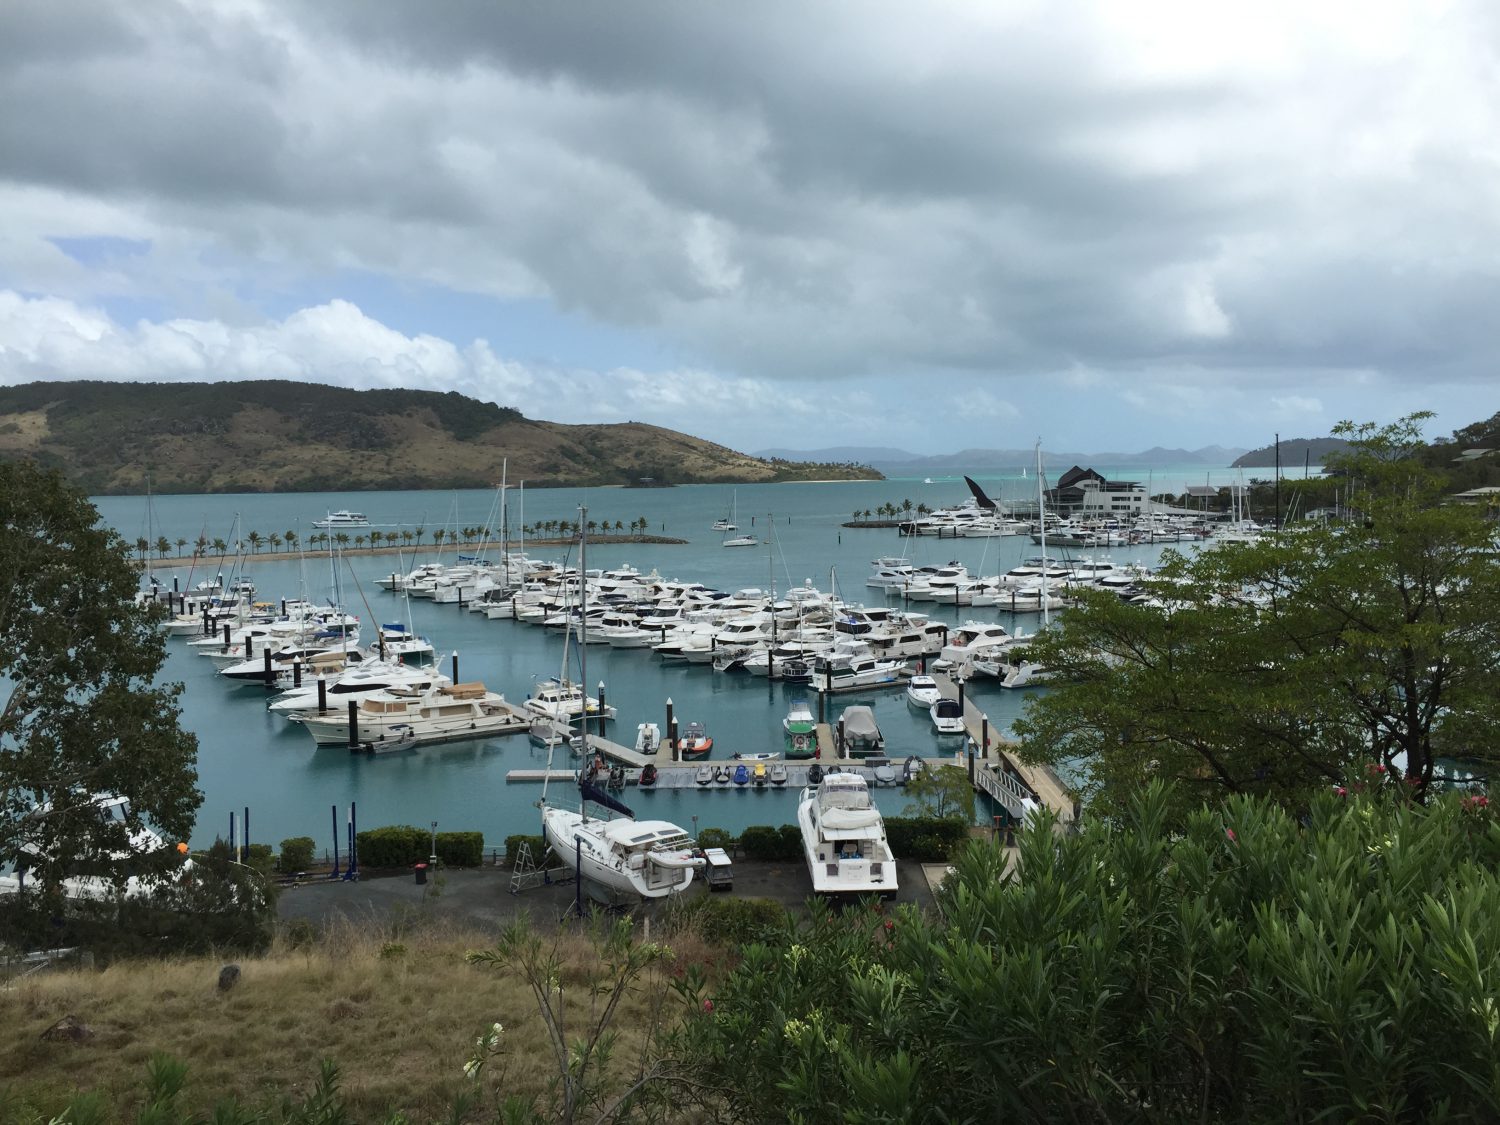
<point x="1286" y="665"/>
<point x="1247" y="965"/>
<point x="82" y="714"/>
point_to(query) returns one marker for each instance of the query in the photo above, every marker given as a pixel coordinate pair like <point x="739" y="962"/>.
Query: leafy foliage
<point x="1249" y="968"/>
<point x="83" y="714"/>
<point x="1277" y="667"/>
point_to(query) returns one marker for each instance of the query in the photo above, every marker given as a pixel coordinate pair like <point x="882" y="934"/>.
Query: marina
<point x="250" y="757"/>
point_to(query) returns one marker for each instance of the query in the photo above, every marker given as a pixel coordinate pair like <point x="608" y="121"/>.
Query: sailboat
<point x="730" y="525"/>
<point x="727" y="522"/>
<point x="621" y="858"/>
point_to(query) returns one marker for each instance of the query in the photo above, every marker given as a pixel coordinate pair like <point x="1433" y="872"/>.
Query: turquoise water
<point x="250" y="758"/>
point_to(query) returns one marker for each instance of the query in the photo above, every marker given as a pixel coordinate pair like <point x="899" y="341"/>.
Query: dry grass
<point x="398" y="1013"/>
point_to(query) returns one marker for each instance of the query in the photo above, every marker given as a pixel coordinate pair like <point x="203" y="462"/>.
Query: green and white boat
<point x="801" y="731"/>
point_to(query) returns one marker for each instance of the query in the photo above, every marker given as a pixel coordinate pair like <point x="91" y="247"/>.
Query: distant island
<point x="279" y="436"/>
<point x="1294" y="452"/>
<point x="899" y="462"/>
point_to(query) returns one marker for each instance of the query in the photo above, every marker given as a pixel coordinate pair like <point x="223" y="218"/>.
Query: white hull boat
<point x="843" y="838"/>
<point x="625" y="858"/>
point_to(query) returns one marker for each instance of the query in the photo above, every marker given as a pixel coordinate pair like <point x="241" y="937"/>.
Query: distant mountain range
<point x="898" y="462"/>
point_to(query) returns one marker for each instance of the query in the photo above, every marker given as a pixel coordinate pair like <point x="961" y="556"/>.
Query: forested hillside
<point x="279" y="436"/>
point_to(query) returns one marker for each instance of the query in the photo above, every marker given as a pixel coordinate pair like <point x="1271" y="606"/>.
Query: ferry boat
<point x="341" y="519"/>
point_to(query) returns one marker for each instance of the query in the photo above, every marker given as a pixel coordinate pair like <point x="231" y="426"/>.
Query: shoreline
<point x="242" y="558"/>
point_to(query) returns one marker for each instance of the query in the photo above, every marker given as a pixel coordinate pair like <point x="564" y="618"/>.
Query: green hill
<point x="280" y="436"/>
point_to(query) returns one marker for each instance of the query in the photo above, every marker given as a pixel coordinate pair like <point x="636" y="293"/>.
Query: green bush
<point x="761" y="841"/>
<point x="1245" y="965"/>
<point x="397" y="845"/>
<point x="513" y="848"/>
<point x="715" y="838"/>
<point x="296" y="854"/>
<point x="733" y="921"/>
<point x="925" y="839"/>
<point x="460" y="849"/>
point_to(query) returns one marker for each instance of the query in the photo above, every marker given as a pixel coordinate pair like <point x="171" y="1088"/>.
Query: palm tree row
<point x="253" y="541"/>
<point x="892" y="511"/>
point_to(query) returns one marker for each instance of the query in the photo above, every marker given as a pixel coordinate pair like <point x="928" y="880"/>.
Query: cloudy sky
<point x="924" y="225"/>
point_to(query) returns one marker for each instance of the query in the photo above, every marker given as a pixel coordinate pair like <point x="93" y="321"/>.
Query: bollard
<point x="322" y="696"/>
<point x="602" y="714"/>
<point x="353" y="725"/>
<point x="270" y="675"/>
<point x="228" y="634"/>
<point x="672" y="732"/>
<point x="455" y="666"/>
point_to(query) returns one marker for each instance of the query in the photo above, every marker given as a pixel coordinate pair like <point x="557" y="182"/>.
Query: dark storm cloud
<point x="790" y="189"/>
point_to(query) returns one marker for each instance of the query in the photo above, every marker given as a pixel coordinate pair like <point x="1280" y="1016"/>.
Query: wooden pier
<point x="1013" y="784"/>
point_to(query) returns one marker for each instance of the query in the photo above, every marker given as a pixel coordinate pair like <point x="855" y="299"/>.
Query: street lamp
<point x="432" y="859"/>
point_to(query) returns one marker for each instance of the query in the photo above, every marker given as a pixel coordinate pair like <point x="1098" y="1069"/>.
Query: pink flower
<point x="1233" y="839"/>
<point x="890" y="925"/>
<point x="1341" y="791"/>
<point x="708" y="1005"/>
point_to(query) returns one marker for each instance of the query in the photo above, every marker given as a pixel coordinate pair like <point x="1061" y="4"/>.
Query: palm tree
<point x="200" y="545"/>
<point x="906" y="505"/>
<point x="254" y="538"/>
<point x="867" y="513"/>
<point x="359" y="542"/>
<point x="376" y="537"/>
<point x="407" y="536"/>
<point x="342" y="539"/>
<point x="619" y="526"/>
<point x="163" y="545"/>
<point x="593" y="526"/>
<point x="291" y="540"/>
<point x="421" y="531"/>
<point x="274" y="539"/>
<point x="220" y="546"/>
<point x="855" y="514"/>
<point x="143" y="545"/>
<point x="181" y="543"/>
<point x="437" y="537"/>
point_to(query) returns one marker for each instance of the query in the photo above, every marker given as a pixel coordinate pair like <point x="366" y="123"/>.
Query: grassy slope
<point x="398" y="1011"/>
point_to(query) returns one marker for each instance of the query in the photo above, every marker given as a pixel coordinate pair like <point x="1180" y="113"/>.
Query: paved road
<point x="481" y="897"/>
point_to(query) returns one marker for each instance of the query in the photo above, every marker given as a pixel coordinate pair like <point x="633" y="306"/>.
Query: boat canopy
<point x="859" y="724"/>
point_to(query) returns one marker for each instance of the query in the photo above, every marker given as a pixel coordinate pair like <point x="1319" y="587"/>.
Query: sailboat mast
<point x="1041" y="522"/>
<point x="583" y="631"/>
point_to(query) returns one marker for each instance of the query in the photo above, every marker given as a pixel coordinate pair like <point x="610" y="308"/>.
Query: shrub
<point x="393" y="846"/>
<point x="715" y="838"/>
<point x="760" y="841"/>
<point x="460" y="849"/>
<point x="738" y="920"/>
<point x="296" y="854"/>
<point x="928" y="839"/>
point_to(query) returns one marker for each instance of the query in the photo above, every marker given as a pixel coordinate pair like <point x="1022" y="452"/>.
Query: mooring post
<point x="455" y="666"/>
<point x="335" y="873"/>
<point x="353" y="725"/>
<point x="297" y="672"/>
<point x="322" y="696"/>
<point x="672" y="732"/>
<point x="270" y="675"/>
<point x="602" y="713"/>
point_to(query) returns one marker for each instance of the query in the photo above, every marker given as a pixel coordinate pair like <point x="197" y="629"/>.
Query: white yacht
<point x="947" y="717"/>
<point x="922" y="692"/>
<point x="843" y="838"/>
<point x="565" y="700"/>
<point x="397" y="719"/>
<point x="889" y="573"/>
<point x="624" y="858"/>
<point x="354" y="683"/>
<point x="341" y="519"/>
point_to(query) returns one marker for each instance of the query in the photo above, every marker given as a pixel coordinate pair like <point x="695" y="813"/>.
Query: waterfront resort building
<point x="1084" y="494"/>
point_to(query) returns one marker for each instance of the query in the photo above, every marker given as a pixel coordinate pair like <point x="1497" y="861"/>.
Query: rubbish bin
<point x="421" y="870"/>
